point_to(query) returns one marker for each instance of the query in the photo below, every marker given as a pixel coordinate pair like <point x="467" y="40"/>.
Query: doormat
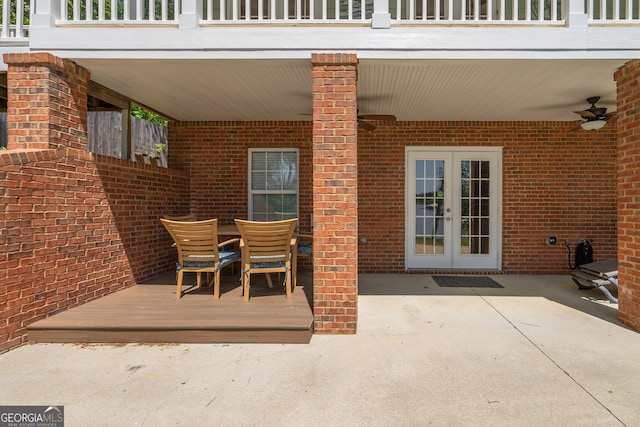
<point x="466" y="282"/>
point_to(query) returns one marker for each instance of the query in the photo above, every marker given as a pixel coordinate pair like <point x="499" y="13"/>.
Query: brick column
<point x="335" y="194"/>
<point x="46" y="102"/>
<point x="628" y="167"/>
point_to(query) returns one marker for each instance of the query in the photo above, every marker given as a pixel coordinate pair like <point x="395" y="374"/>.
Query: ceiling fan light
<point x="593" y="124"/>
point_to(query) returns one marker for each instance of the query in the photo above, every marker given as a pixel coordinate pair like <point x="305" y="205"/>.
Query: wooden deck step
<point x="150" y="313"/>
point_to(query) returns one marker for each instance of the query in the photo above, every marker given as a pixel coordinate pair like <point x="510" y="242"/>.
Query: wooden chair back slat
<point x="187" y="217"/>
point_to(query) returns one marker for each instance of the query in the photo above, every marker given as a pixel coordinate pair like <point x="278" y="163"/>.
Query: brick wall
<point x="555" y="182"/>
<point x="216" y="155"/>
<point x="74" y="227"/>
<point x="628" y="99"/>
<point x="74" y="230"/>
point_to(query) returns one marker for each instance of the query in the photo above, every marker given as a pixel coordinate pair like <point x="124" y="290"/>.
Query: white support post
<point x="191" y="14"/>
<point x="6" y="12"/>
<point x="381" y="17"/>
<point x="46" y="14"/>
<point x="130" y="10"/>
<point x="574" y="13"/>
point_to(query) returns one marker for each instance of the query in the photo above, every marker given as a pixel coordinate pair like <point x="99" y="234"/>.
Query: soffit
<point x="412" y="90"/>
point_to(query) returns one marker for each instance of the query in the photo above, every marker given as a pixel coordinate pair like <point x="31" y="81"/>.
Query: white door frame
<point x="453" y="259"/>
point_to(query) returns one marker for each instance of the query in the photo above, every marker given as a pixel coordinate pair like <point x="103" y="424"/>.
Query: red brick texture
<point x="628" y="99"/>
<point x="216" y="155"/>
<point x="335" y="194"/>
<point x="74" y="227"/>
<point x="556" y="182"/>
<point x="46" y="109"/>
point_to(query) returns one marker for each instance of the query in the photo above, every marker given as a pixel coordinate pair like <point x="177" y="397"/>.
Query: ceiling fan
<point x="362" y="124"/>
<point x="593" y="118"/>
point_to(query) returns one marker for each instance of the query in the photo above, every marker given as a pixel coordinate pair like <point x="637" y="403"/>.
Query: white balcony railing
<point x="310" y="11"/>
<point x="509" y="11"/>
<point x="120" y="11"/>
<point x="613" y="11"/>
<point x="401" y="11"/>
<point x="17" y="14"/>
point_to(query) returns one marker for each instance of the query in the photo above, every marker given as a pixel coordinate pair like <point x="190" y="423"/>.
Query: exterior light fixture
<point x="593" y="124"/>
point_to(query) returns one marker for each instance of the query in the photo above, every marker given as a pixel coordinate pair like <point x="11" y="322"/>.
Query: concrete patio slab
<point x="536" y="352"/>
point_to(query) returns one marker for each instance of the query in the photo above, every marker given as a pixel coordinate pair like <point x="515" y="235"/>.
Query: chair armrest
<point x="228" y="242"/>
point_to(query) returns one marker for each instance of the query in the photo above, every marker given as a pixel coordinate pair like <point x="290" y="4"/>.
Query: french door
<point x="453" y="201"/>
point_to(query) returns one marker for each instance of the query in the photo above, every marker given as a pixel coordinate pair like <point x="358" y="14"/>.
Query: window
<point x="273" y="184"/>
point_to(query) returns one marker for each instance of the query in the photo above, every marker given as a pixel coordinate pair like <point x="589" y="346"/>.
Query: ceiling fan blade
<point x="575" y="128"/>
<point x="608" y="116"/>
<point x="383" y="117"/>
<point x="585" y="114"/>
<point x="365" y="125"/>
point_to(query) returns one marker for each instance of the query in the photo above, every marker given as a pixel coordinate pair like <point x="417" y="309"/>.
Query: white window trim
<point x="250" y="192"/>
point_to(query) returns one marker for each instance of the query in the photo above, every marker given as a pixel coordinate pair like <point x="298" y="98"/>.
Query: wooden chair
<point x="232" y="246"/>
<point x="304" y="248"/>
<point x="199" y="251"/>
<point x="267" y="247"/>
<point x="305" y="245"/>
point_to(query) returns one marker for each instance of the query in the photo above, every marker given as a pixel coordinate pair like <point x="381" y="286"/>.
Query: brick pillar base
<point x="335" y="194"/>
<point x="46" y="102"/>
<point x="628" y="125"/>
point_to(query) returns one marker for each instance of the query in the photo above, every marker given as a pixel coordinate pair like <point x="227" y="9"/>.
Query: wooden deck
<point x="150" y="313"/>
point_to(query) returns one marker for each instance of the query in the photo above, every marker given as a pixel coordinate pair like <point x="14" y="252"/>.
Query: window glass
<point x="273" y="184"/>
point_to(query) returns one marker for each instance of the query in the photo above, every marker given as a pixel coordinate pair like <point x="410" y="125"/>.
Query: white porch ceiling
<point x="412" y="90"/>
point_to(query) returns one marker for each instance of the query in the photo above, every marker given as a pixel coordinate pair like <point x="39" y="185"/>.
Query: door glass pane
<point x="475" y="197"/>
<point x="429" y="233"/>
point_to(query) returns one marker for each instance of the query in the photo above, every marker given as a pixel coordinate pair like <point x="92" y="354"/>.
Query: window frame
<point x="251" y="192"/>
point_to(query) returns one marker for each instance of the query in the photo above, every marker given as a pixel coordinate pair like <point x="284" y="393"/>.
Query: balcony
<point x="17" y="15"/>
<point x="249" y="60"/>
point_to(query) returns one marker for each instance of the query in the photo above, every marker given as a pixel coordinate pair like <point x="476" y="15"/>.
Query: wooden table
<point x="232" y="230"/>
<point x="228" y="230"/>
